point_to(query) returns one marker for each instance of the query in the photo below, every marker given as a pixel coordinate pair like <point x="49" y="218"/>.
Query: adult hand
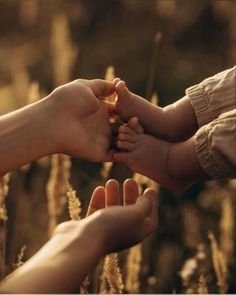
<point x="121" y="226"/>
<point x="72" y="120"/>
<point x="81" y="119"/>
<point x="76" y="246"/>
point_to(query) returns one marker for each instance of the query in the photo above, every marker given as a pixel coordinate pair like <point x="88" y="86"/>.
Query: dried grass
<point x="202" y="285"/>
<point x="153" y="65"/>
<point x="227" y="228"/>
<point x="74" y="204"/>
<point x="154" y="99"/>
<point x="107" y="166"/>
<point x="62" y="49"/>
<point x="57" y="187"/>
<point x="20" y="257"/>
<point x="194" y="271"/>
<point x="4" y="187"/>
<point x="218" y="264"/>
<point x="74" y="207"/>
<point x="133" y="269"/>
<point x="112" y="275"/>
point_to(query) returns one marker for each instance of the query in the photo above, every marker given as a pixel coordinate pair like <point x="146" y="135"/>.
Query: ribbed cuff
<point x="204" y="154"/>
<point x="200" y="103"/>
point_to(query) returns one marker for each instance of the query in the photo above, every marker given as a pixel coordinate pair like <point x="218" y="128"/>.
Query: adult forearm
<point x="59" y="267"/>
<point x="25" y="135"/>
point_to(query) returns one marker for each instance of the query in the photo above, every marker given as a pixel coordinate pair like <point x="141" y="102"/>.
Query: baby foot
<point x="130" y="105"/>
<point x="145" y="154"/>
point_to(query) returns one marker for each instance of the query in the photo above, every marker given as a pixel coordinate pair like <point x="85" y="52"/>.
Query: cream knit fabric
<point x="214" y="103"/>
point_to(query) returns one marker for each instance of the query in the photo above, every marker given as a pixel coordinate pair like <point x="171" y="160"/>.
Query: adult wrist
<point x="65" y="259"/>
<point x="31" y="128"/>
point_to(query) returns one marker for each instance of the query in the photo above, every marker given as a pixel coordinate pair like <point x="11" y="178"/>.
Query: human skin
<point x="172" y="165"/>
<point x="76" y="246"/>
<point x="73" y="119"/>
<point x="175" y="122"/>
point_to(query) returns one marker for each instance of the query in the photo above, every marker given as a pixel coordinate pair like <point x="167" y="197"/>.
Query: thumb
<point x="143" y="206"/>
<point x="151" y="219"/>
<point x="151" y="194"/>
<point x="101" y="88"/>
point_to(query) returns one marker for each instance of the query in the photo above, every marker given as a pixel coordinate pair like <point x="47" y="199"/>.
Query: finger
<point x="97" y="200"/>
<point x="143" y="206"/>
<point x="101" y="88"/>
<point x="151" y="194"/>
<point x="112" y="193"/>
<point x="125" y="145"/>
<point x="111" y="109"/>
<point x="130" y="191"/>
<point x="151" y="222"/>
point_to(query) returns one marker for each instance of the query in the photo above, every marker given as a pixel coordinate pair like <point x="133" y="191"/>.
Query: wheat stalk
<point x="144" y="182"/>
<point x="4" y="187"/>
<point x="74" y="204"/>
<point x="133" y="266"/>
<point x="106" y="169"/>
<point x="57" y="187"/>
<point x="153" y="64"/>
<point x="202" y="285"/>
<point x="154" y="99"/>
<point x="62" y="49"/>
<point x="33" y="94"/>
<point x="20" y="77"/>
<point x="110" y="73"/>
<point x="227" y="228"/>
<point x="74" y="207"/>
<point x="102" y="287"/>
<point x="187" y="272"/>
<point x="218" y="264"/>
<point x="109" y="76"/>
<point x="112" y="274"/>
<point x="20" y="257"/>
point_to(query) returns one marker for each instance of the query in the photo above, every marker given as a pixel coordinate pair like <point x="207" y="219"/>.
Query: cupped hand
<point x="119" y="226"/>
<point x="112" y="227"/>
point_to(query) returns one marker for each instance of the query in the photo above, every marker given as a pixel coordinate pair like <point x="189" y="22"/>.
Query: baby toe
<point x="135" y="125"/>
<point x="127" y="137"/>
<point x="125" y="145"/>
<point x="126" y="130"/>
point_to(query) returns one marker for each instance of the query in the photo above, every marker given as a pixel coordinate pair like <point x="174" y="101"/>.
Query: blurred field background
<point x="157" y="47"/>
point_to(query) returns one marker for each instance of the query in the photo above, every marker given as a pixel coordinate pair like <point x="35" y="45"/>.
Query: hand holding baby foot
<point x="73" y="119"/>
<point x="82" y="119"/>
